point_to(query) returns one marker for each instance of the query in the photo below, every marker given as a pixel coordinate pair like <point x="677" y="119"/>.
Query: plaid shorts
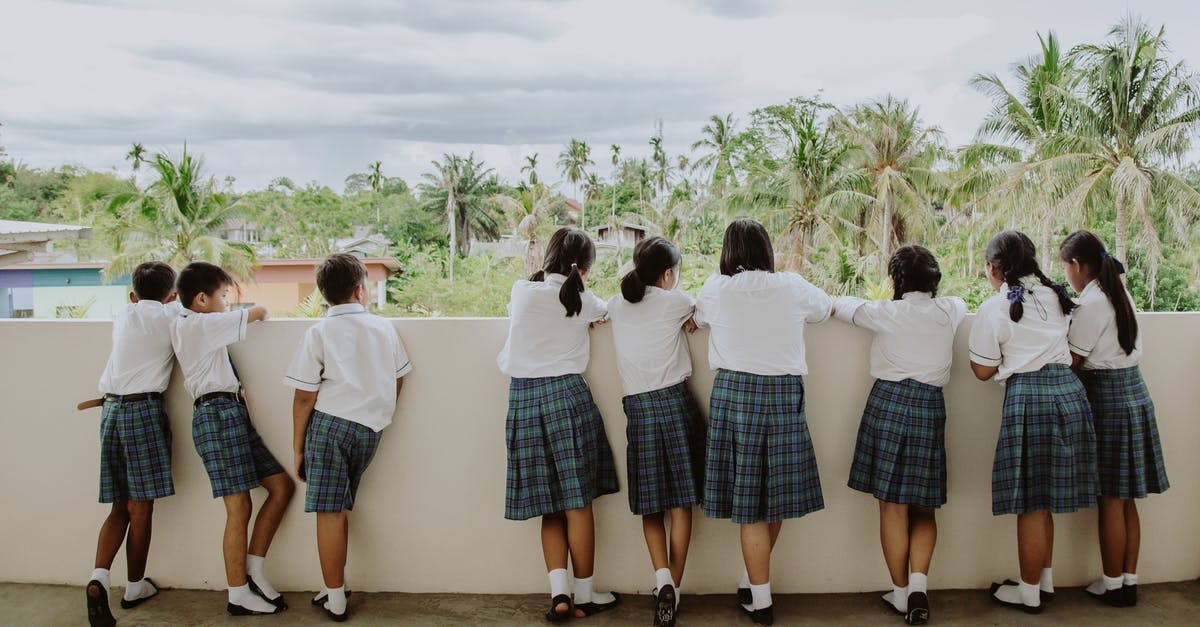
<point x="558" y="453"/>
<point x="1128" y="452"/>
<point x="336" y="453"/>
<point x="662" y="432"/>
<point x="135" y="451"/>
<point x="1046" y="452"/>
<point x="760" y="465"/>
<point x="900" y="456"/>
<point x="234" y="455"/>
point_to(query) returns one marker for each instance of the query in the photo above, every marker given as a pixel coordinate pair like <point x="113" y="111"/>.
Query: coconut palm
<point x="530" y="168"/>
<point x="658" y="156"/>
<point x="574" y="162"/>
<point x="527" y="212"/>
<point x="136" y="155"/>
<point x="462" y="188"/>
<point x="717" y="142"/>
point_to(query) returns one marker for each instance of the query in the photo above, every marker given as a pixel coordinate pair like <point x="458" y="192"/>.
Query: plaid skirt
<point x="1128" y="452"/>
<point x="234" y="455"/>
<point x="900" y="455"/>
<point x="760" y="465"/>
<point x="664" y="471"/>
<point x="336" y="453"/>
<point x="135" y="451"/>
<point x="558" y="453"/>
<point x="1046" y="453"/>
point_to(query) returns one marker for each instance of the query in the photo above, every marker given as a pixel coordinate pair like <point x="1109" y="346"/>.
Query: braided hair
<point x="1012" y="254"/>
<point x="914" y="269"/>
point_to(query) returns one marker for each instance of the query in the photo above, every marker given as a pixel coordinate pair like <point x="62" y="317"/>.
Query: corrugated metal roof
<point x="17" y="227"/>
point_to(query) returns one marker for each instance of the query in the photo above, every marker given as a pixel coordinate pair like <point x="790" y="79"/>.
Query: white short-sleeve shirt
<point x="914" y="336"/>
<point x="201" y="343"/>
<point x="141" y="355"/>
<point x="1093" y="334"/>
<point x="351" y="359"/>
<point x="1038" y="339"/>
<point x="542" y="340"/>
<point x="757" y="320"/>
<point x="651" y="346"/>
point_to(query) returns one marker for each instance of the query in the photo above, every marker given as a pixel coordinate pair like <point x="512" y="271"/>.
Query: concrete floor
<point x="1159" y="604"/>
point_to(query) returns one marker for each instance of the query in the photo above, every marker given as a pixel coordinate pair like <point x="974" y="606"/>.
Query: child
<point x="900" y="457"/>
<point x="760" y="466"/>
<point x="559" y="460"/>
<point x="1046" y="453"/>
<point x="648" y="318"/>
<point x="135" y="436"/>
<point x="234" y="455"/>
<point x="347" y="374"/>
<point x="1106" y="347"/>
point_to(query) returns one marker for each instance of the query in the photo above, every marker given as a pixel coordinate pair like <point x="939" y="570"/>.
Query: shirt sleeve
<point x="986" y="338"/>
<point x="683" y="306"/>
<point x="308" y="364"/>
<point x="1087" y="325"/>
<point x="403" y="363"/>
<point x="593" y="307"/>
<point x="219" y="330"/>
<point x="819" y="304"/>
<point x="706" y="303"/>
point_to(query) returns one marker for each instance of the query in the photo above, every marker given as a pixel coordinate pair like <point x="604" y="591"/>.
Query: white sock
<point x="1047" y="582"/>
<point x="1031" y="594"/>
<point x="254" y="570"/>
<point x="336" y="602"/>
<point x="102" y="575"/>
<point x="745" y="582"/>
<point x="135" y="590"/>
<point x="1104" y="584"/>
<point x="241" y="595"/>
<point x="762" y="595"/>
<point x="584" y="593"/>
<point x="898" y="598"/>
<point x="558" y="582"/>
<point x="662" y="577"/>
<point x="918" y="582"/>
<point x="1130" y="579"/>
<point x="1024" y="593"/>
<point x="678" y="594"/>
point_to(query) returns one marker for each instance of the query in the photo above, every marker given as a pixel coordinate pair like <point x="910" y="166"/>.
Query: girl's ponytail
<point x="632" y="287"/>
<point x="569" y="293"/>
<point x="1013" y="255"/>
<point x="1087" y="249"/>
<point x="570" y="252"/>
<point x="652" y="257"/>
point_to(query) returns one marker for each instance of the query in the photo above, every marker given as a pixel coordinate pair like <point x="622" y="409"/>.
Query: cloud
<point x="738" y="9"/>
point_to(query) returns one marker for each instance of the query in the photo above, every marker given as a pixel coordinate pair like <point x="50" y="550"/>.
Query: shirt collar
<point x="911" y="296"/>
<point x="344" y="309"/>
<point x="554" y="278"/>
<point x="1092" y="286"/>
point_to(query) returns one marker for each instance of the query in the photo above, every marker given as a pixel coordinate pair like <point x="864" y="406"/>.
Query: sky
<point x="315" y="89"/>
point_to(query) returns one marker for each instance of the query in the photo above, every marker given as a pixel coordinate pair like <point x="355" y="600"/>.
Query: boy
<point x="135" y="436"/>
<point x="234" y="455"/>
<point x="347" y="374"/>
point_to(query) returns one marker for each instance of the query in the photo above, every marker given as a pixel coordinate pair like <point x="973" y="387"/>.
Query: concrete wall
<point x="430" y="512"/>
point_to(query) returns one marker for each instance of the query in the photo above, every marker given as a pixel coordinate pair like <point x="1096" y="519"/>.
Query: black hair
<point x="1087" y="249"/>
<point x="747" y="246"/>
<point x="1013" y="255"/>
<point x="201" y="277"/>
<point x="651" y="258"/>
<point x="338" y="276"/>
<point x="569" y="252"/>
<point x="153" y="280"/>
<point x="914" y="269"/>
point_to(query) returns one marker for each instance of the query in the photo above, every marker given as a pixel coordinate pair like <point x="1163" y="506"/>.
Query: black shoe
<point x="1115" y="597"/>
<point x="1130" y="593"/>
<point x="664" y="608"/>
<point x="237" y="610"/>
<point x="918" y="609"/>
<point x="595" y="608"/>
<point x="99" y="615"/>
<point x="1028" y="609"/>
<point x="765" y="616"/>
<point x="320" y="599"/>
<point x="278" y="601"/>
<point x="1046" y="596"/>
<point x="745" y="597"/>
<point x="555" y="616"/>
<point x="128" y="605"/>
<point x="337" y="618"/>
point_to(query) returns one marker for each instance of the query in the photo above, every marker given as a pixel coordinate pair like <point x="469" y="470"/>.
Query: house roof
<point x="20" y="240"/>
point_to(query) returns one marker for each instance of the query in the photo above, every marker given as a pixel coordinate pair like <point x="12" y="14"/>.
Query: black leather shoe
<point x="918" y="609"/>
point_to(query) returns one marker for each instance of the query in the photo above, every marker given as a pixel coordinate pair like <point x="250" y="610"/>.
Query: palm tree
<point x="462" y="188"/>
<point x="717" y="142"/>
<point x="136" y="155"/>
<point x="375" y="178"/>
<point x="527" y="212"/>
<point x="573" y="162"/>
<point x="530" y="167"/>
<point x="176" y="219"/>
<point x="658" y="155"/>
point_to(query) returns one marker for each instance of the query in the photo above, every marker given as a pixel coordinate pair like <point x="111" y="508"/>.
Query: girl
<point x="649" y="318"/>
<point x="760" y="468"/>
<point x="1106" y="347"/>
<point x="558" y="454"/>
<point x="900" y="456"/>
<point x="1046" y="454"/>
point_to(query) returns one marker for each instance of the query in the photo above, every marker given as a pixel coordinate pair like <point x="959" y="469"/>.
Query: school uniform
<point x="351" y="359"/>
<point x="234" y="455"/>
<point x="1046" y="453"/>
<point x="665" y="430"/>
<point x="1129" y="454"/>
<point x="760" y="464"/>
<point x="900" y="453"/>
<point x="558" y="453"/>
<point x="135" y="434"/>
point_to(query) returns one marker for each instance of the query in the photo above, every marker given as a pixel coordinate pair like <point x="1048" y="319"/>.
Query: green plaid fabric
<point x="234" y="455"/>
<point x="336" y="453"/>
<point x="760" y="465"/>
<point x="1128" y="451"/>
<point x="1046" y="452"/>
<point x="900" y="455"/>
<point x="558" y="453"/>
<point x="660" y="458"/>
<point x="135" y="451"/>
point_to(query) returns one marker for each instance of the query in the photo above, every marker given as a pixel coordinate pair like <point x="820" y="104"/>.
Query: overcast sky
<point x="317" y="89"/>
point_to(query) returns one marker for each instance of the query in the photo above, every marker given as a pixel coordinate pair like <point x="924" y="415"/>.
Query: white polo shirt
<point x="201" y="343"/>
<point x="1093" y="334"/>
<point x="542" y="340"/>
<point x="141" y="355"/>
<point x="651" y="346"/>
<point x="351" y="359"/>
<point x="757" y="320"/>
<point x="1040" y="338"/>
<point x="914" y="336"/>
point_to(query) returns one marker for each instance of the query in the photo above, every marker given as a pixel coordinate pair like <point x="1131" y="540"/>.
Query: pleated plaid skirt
<point x="900" y="455"/>
<point x="760" y="464"/>
<point x="558" y="452"/>
<point x="665" y="432"/>
<point x="1046" y="452"/>
<point x="1128" y="452"/>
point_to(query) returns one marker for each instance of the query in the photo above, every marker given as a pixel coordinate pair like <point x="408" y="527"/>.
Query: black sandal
<point x="1028" y="609"/>
<point x="558" y="617"/>
<point x="1046" y="596"/>
<point x="589" y="609"/>
<point x="99" y="615"/>
<point x="278" y="601"/>
<point x="128" y="605"/>
<point x="320" y="599"/>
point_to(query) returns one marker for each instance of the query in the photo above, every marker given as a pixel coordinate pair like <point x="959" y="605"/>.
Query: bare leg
<point x="893" y="535"/>
<point x="655" y="530"/>
<point x="756" y="551"/>
<point x="280" y="488"/>
<point x="1049" y="540"/>
<point x="333" y="530"/>
<point x="1133" y="536"/>
<point x="1112" y="535"/>
<point x="1033" y="545"/>
<point x="112" y="533"/>
<point x="554" y="548"/>
<point x="681" y="538"/>
<point x="237" y="518"/>
<point x="137" y="547"/>
<point x="581" y="537"/>
<point x="922" y="536"/>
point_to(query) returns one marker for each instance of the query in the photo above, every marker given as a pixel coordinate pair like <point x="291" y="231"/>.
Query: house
<point x="20" y="240"/>
<point x="627" y="236"/>
<point x="363" y="244"/>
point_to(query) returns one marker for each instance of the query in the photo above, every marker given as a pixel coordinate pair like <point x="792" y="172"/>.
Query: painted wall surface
<point x="430" y="511"/>
<point x="109" y="299"/>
